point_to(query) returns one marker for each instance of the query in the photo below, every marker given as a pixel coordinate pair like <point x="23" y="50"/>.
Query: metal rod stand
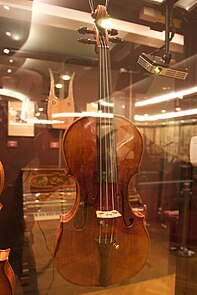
<point x="183" y="249"/>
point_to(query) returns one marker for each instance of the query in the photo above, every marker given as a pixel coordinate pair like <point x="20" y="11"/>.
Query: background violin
<point x="2" y="177"/>
<point x="101" y="241"/>
<point x="7" y="277"/>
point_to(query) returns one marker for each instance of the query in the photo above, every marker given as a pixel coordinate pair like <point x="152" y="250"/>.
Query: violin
<point x="7" y="277"/>
<point x="2" y="177"/>
<point x="101" y="241"/>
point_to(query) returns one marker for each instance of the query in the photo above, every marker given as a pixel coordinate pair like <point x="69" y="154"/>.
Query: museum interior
<point x="116" y="82"/>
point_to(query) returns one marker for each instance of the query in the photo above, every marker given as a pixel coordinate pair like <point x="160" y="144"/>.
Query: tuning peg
<point x="86" y="41"/>
<point x="115" y="39"/>
<point x="85" y="30"/>
<point x="113" y="32"/>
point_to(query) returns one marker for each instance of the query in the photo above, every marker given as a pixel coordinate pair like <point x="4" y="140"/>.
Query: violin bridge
<point x="107" y="214"/>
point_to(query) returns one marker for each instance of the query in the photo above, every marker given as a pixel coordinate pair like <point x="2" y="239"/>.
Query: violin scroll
<point x="101" y="24"/>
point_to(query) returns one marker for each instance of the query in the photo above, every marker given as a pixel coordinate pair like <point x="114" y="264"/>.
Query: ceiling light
<point x="106" y="104"/>
<point x="6" y="7"/>
<point x="59" y="85"/>
<point x="156" y="1"/>
<point x="6" y="51"/>
<point x="8" y="33"/>
<point x="165" y="97"/>
<point x="166" y="115"/>
<point x="177" y="109"/>
<point x="43" y="121"/>
<point x="9" y="71"/>
<point x="83" y="114"/>
<point x="14" y="94"/>
<point x="186" y="4"/>
<point x="16" y="37"/>
<point x="66" y="77"/>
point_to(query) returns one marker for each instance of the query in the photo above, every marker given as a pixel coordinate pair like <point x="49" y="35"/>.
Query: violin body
<point x="7" y="277"/>
<point x="91" y="250"/>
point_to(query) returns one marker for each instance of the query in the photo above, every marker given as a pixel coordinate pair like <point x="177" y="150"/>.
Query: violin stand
<point x="183" y="250"/>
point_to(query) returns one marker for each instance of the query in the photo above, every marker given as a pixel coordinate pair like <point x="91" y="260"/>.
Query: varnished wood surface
<point x="7" y="277"/>
<point x="153" y="278"/>
<point x="83" y="245"/>
<point x="2" y="177"/>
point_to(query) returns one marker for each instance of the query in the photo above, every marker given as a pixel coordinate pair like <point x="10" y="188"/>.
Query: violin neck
<point x="106" y="131"/>
<point x="105" y="85"/>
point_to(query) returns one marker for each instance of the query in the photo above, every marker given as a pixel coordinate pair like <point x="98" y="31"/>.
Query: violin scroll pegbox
<point x="101" y="26"/>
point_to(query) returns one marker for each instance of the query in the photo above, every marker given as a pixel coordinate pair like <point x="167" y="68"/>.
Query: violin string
<point x="109" y="121"/>
<point x="111" y="140"/>
<point x="111" y="137"/>
<point x="107" y="96"/>
<point x="91" y="5"/>
<point x="106" y="3"/>
<point x="100" y="143"/>
<point x="105" y="133"/>
<point x="106" y="110"/>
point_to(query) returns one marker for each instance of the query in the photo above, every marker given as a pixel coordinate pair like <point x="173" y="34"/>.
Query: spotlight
<point x="186" y="4"/>
<point x="155" y="65"/>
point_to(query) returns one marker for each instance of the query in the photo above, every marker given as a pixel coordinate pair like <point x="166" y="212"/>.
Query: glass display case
<point x="98" y="157"/>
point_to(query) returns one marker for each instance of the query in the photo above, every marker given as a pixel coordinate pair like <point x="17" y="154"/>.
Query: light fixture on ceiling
<point x="8" y="33"/>
<point x="186" y="4"/>
<point x="166" y="97"/>
<point x="66" y="77"/>
<point x="177" y="105"/>
<point x="6" y="7"/>
<point x="155" y="65"/>
<point x="178" y="109"/>
<point x="82" y="114"/>
<point x="162" y="65"/>
<point x="58" y="85"/>
<point x="166" y="116"/>
<point x="13" y="94"/>
<point x="156" y="1"/>
<point x="6" y="50"/>
<point x="43" y="121"/>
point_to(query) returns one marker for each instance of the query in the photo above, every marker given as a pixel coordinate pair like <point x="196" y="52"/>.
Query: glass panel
<point x="97" y="148"/>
